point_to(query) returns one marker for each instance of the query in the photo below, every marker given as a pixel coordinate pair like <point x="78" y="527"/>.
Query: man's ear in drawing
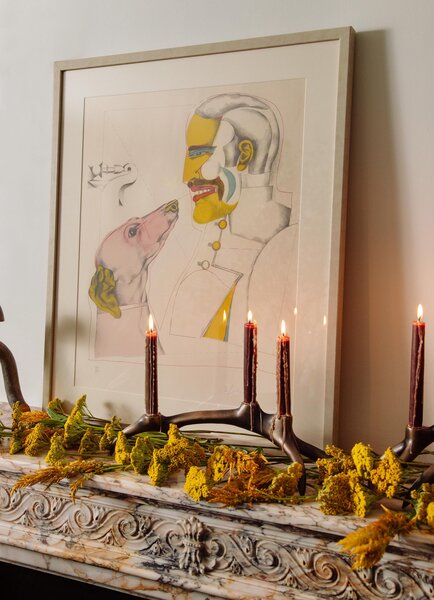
<point x="102" y="291"/>
<point x="247" y="152"/>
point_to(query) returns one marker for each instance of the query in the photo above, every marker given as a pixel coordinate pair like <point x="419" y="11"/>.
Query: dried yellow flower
<point x="430" y="515"/>
<point x="178" y="453"/>
<point x="122" y="453"/>
<point x="17" y="443"/>
<point x="37" y="440"/>
<point x="339" y="462"/>
<point x="141" y="455"/>
<point x="196" y="484"/>
<point x="336" y="495"/>
<point x="285" y="484"/>
<point x="74" y="425"/>
<point x="220" y="463"/>
<point x="159" y="468"/>
<point x="55" y="405"/>
<point x="363" y="457"/>
<point x="78" y="470"/>
<point x="422" y="499"/>
<point x="32" y="417"/>
<point x="89" y="443"/>
<point x="362" y="498"/>
<point x="110" y="434"/>
<point x="387" y="474"/>
<point x="368" y="544"/>
<point x="57" y="452"/>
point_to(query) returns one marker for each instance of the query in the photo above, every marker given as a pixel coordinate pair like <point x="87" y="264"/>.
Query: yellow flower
<point x="362" y="498"/>
<point x="57" y="452"/>
<point x="423" y="498"/>
<point x="122" y="453"/>
<point x="339" y="462"/>
<point x="55" y="405"/>
<point x="178" y="453"/>
<point x="368" y="544"/>
<point x="196" y="484"/>
<point x="335" y="496"/>
<point x="110" y="434"/>
<point x="37" y="440"/>
<point x="141" y="455"/>
<point x="74" y="425"/>
<point x="220" y="462"/>
<point x="16" y="444"/>
<point x="30" y="418"/>
<point x="284" y="485"/>
<point x="159" y="469"/>
<point x="386" y="476"/>
<point x="89" y="442"/>
<point x="430" y="515"/>
<point x="363" y="458"/>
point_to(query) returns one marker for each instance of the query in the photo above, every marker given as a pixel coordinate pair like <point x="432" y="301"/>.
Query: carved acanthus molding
<point x="158" y="538"/>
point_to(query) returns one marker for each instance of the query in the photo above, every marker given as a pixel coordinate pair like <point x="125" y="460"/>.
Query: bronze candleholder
<point x="10" y="375"/>
<point x="416" y="439"/>
<point x="276" y="429"/>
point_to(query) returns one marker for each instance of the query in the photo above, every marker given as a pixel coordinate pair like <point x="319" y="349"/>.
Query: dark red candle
<point x="250" y="359"/>
<point x="283" y="373"/>
<point x="415" y="417"/>
<point x="151" y="380"/>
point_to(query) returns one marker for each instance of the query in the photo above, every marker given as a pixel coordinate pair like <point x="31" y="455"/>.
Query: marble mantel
<point x="123" y="533"/>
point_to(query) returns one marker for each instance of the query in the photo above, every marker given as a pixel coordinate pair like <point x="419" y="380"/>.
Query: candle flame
<point x="324" y="320"/>
<point x="295" y="311"/>
<point x="151" y="323"/>
<point x="283" y="328"/>
<point x="419" y="312"/>
<point x="250" y="317"/>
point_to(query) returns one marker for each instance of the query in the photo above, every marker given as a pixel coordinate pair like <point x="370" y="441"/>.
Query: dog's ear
<point x="102" y="291"/>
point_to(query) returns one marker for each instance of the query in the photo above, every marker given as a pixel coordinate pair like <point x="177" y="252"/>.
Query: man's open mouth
<point x="202" y="191"/>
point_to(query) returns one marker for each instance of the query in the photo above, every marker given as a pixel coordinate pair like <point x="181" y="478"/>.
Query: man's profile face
<point x="214" y="187"/>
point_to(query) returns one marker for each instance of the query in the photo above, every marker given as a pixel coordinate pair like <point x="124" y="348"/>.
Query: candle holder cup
<point x="277" y="429"/>
<point x="416" y="439"/>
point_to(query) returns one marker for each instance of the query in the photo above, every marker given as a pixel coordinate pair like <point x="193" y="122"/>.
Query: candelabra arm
<point x="309" y="450"/>
<point x="248" y="416"/>
<point x="10" y="375"/>
<point x="415" y="441"/>
<point x="426" y="477"/>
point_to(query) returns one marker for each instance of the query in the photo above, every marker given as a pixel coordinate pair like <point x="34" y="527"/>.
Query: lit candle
<point x="283" y="374"/>
<point x="250" y="359"/>
<point x="415" y="417"/>
<point x="151" y="380"/>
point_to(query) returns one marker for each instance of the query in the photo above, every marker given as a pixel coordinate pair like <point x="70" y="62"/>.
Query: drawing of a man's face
<point x="214" y="186"/>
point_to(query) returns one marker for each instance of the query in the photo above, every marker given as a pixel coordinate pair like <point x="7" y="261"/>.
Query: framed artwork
<point x="195" y="184"/>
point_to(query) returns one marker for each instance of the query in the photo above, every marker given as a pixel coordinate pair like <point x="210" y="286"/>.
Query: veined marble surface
<point x="123" y="533"/>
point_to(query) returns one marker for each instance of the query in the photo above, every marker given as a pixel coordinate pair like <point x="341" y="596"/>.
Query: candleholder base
<point x="416" y="439"/>
<point x="277" y="429"/>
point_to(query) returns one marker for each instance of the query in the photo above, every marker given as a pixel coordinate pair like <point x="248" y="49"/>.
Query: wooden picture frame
<point x="195" y="183"/>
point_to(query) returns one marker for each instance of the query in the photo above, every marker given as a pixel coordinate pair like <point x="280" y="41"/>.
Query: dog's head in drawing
<point x="124" y="255"/>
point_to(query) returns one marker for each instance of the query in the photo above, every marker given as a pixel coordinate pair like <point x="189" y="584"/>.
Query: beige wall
<point x="390" y="241"/>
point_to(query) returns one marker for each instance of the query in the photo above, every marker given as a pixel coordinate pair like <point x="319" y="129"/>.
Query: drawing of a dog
<point x="118" y="287"/>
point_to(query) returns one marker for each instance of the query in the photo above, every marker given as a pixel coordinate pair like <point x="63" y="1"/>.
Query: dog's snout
<point x="172" y="206"/>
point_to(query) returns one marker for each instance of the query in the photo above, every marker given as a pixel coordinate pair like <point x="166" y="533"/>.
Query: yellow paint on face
<point x="211" y="208"/>
<point x="200" y="132"/>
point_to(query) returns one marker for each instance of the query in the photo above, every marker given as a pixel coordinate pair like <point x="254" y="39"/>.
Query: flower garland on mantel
<point x="78" y="445"/>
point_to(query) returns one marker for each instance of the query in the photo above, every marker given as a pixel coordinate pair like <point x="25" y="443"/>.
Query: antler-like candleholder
<point x="277" y="428"/>
<point x="10" y="375"/>
<point x="415" y="441"/>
